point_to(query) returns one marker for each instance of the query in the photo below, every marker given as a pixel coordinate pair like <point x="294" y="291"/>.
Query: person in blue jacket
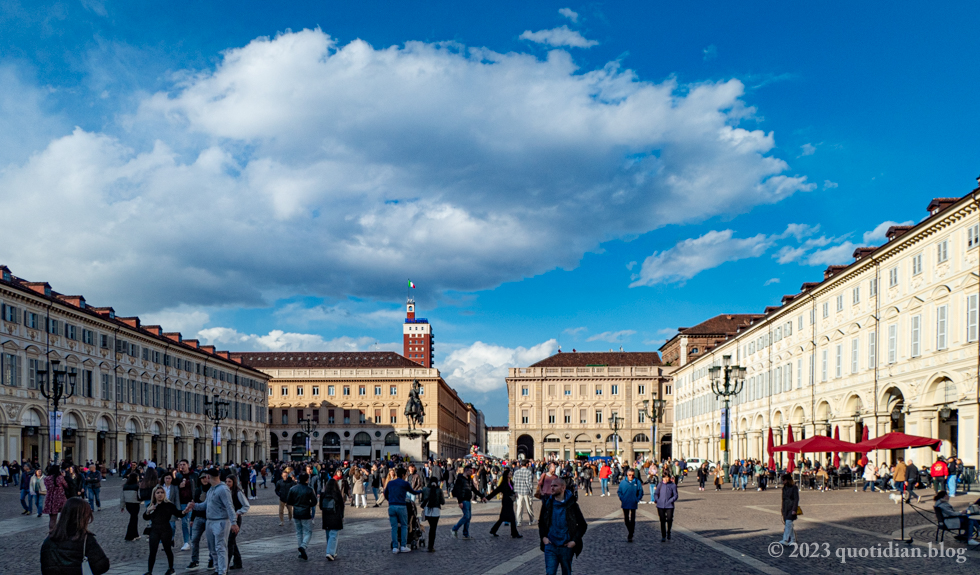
<point x="664" y="497"/>
<point x="630" y="494"/>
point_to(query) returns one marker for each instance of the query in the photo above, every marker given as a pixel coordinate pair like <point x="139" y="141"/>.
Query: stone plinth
<point x="414" y="444"/>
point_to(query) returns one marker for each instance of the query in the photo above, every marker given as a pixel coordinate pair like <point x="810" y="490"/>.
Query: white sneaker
<point x="405" y="550"/>
<point x="973" y="542"/>
<point x="394" y="550"/>
<point x="185" y="547"/>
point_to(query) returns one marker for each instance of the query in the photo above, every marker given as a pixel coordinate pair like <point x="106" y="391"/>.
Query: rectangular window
<point x="377" y="416"/>
<point x="30" y="319"/>
<point x="854" y="355"/>
<point x="568" y="416"/>
<point x="856" y="296"/>
<point x="361" y="390"/>
<point x="598" y="416"/>
<point x="568" y="390"/>
<point x="916" y="264"/>
<point x="551" y="390"/>
<point x="300" y="415"/>
<point x="873" y="287"/>
<point x="71" y="332"/>
<point x="581" y="390"/>
<point x="838" y="366"/>
<point x="809" y="370"/>
<point x="893" y="277"/>
<point x="106" y="387"/>
<point x="285" y="417"/>
<point x="316" y="391"/>
<point x="826" y="309"/>
<point x="11" y="370"/>
<point x="146" y="354"/>
<point x="525" y="416"/>
<point x="799" y="323"/>
<point x="788" y="330"/>
<point x="316" y="415"/>
<point x="614" y="389"/>
<point x="377" y="390"/>
<point x="582" y="416"/>
<point x="525" y="391"/>
<point x="393" y="416"/>
<point x="331" y="390"/>
<point x="641" y="417"/>
<point x="11" y="314"/>
<point x="971" y="317"/>
<point x="893" y="343"/>
<point x="551" y="416"/>
<point x="34" y="368"/>
<point x="788" y="377"/>
<point x="284" y="391"/>
<point x="641" y="389"/>
<point x="941" y="251"/>
<point x="598" y="390"/>
<point x="823" y="365"/>
<point x="393" y="390"/>
<point x="799" y="373"/>
<point x="973" y="236"/>
<point x="840" y="303"/>
<point x="778" y="381"/>
<point x="941" y="322"/>
<point x="331" y="417"/>
<point x="299" y="391"/>
<point x="872" y="350"/>
<point x="915" y="335"/>
<point x="346" y="390"/>
<point x="346" y="417"/>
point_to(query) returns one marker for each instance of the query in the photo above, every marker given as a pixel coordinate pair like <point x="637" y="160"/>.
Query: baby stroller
<point x="416" y="532"/>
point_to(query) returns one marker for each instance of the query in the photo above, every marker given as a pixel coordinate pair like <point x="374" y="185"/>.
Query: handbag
<point x="799" y="510"/>
<point x="86" y="568"/>
<point x="329" y="505"/>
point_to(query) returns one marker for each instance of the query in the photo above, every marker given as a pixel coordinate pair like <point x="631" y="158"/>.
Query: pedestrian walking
<point x="199" y="524"/>
<point x="605" y="472"/>
<point x="524" y="489"/>
<point x="70" y="544"/>
<point x="220" y="515"/>
<point x="239" y="499"/>
<point x="129" y="502"/>
<point x="39" y="490"/>
<point x="912" y="480"/>
<point x="561" y="528"/>
<point x="332" y="509"/>
<point x="283" y="486"/>
<point x="303" y="501"/>
<point x="395" y="493"/>
<point x="938" y="472"/>
<point x="665" y="496"/>
<point x="464" y="489"/>
<point x="630" y="493"/>
<point x="24" y="480"/>
<point x="93" y="487"/>
<point x="505" y="489"/>
<point x="160" y="513"/>
<point x="790" y="509"/>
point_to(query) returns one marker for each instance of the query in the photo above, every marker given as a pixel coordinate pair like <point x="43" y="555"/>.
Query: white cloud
<point x="299" y="314"/>
<point x="569" y="13"/>
<point x="771" y="281"/>
<point x="181" y="319"/>
<point x="278" y="340"/>
<point x="298" y="165"/>
<point x="482" y="367"/>
<point x="692" y="256"/>
<point x="807" y="150"/>
<point x="828" y="185"/>
<point x="612" y="336"/>
<point x="560" y="36"/>
<point x="710" y="53"/>
<point x="575" y="330"/>
<point x="878" y="234"/>
<point x="839" y="254"/>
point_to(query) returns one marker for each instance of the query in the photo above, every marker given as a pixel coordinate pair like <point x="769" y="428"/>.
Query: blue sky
<point x="584" y="175"/>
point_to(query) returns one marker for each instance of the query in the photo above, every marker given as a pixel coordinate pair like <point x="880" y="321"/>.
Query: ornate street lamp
<point x="727" y="381"/>
<point x="216" y="410"/>
<point x="655" y="416"/>
<point x="615" y="424"/>
<point x="56" y="385"/>
<point x="308" y="426"/>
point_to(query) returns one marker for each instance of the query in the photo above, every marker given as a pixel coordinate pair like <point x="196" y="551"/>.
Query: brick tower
<point x="418" y="337"/>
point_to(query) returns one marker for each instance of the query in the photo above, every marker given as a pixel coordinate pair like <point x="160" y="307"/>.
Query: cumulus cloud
<point x="299" y="165"/>
<point x="181" y="319"/>
<point x="612" y="336"/>
<point x="278" y="340"/>
<point x="692" y="256"/>
<point x="561" y="36"/>
<point x="298" y="314"/>
<point x="807" y="150"/>
<point x="482" y="367"/>
<point x="877" y="235"/>
<point x="569" y="13"/>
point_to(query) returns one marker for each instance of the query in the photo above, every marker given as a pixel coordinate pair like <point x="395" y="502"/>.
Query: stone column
<point x="168" y="449"/>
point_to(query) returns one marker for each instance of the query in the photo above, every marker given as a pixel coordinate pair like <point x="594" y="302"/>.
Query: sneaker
<point x="455" y="534"/>
<point x="404" y="550"/>
<point x="973" y="542"/>
<point x="170" y="571"/>
<point x="467" y="537"/>
<point x="302" y="553"/>
<point x="185" y="547"/>
<point x="394" y="550"/>
<point x="193" y="565"/>
<point x="330" y="557"/>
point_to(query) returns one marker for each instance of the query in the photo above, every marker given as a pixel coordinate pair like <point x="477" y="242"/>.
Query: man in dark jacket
<point x="464" y="489"/>
<point x="283" y="485"/>
<point x="911" y="480"/>
<point x="561" y="527"/>
<point x="187" y="483"/>
<point x="302" y="499"/>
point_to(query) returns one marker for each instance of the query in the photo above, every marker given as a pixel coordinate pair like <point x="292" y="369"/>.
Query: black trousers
<point x="234" y="556"/>
<point x="433" y="523"/>
<point x="132" y="530"/>
<point x="666" y="520"/>
<point x="629" y="515"/>
<point x="167" y="539"/>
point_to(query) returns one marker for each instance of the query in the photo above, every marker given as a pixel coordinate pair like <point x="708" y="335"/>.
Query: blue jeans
<point x="304" y="532"/>
<point x="93" y="497"/>
<point x="197" y="530"/>
<point x="375" y="491"/>
<point x="25" y="499"/>
<point x="555" y="555"/>
<point x="951" y="485"/>
<point x="605" y="486"/>
<point x="398" y="517"/>
<point x="38" y="499"/>
<point x="332" y="535"/>
<point x="184" y="524"/>
<point x="464" y="521"/>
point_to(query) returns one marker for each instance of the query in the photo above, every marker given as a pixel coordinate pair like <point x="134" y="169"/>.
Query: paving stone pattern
<point x="715" y="532"/>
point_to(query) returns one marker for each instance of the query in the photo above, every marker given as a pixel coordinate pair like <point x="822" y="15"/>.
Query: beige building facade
<point x="140" y="391"/>
<point x="561" y="407"/>
<point x="356" y="401"/>
<point x="888" y="342"/>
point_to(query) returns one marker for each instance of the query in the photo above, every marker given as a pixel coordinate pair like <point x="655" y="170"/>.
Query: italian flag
<point x="410" y="284"/>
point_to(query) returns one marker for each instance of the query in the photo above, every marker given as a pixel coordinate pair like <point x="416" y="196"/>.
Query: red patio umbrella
<point x="792" y="459"/>
<point x="771" y="449"/>
<point x="837" y="453"/>
<point x="864" y="454"/>
<point x="899" y="440"/>
<point x="817" y="444"/>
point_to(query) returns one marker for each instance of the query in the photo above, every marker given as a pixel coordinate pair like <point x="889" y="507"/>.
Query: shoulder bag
<point x="86" y="568"/>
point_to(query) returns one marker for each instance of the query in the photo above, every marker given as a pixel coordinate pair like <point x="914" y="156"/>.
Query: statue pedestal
<point x="414" y="444"/>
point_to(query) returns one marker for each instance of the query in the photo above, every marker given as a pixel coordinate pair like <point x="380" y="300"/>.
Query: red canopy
<point x="898" y="440"/>
<point x="818" y="444"/>
<point x="772" y="460"/>
<point x="789" y="439"/>
<point x="837" y="454"/>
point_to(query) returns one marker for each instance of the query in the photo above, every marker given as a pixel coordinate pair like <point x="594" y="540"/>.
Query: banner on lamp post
<point x="724" y="429"/>
<point x="54" y="429"/>
<point x="217" y="440"/>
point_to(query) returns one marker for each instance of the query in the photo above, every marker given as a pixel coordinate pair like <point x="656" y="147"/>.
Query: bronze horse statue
<point x="413" y="407"/>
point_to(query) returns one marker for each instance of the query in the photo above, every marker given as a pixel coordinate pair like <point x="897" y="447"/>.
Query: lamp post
<point x="56" y="385"/>
<point x="216" y="410"/>
<point x="656" y="417"/>
<point x="308" y="426"/>
<point x="615" y="424"/>
<point x="726" y="381"/>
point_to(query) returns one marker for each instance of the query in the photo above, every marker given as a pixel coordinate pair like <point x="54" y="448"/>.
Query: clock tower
<point x="417" y="337"/>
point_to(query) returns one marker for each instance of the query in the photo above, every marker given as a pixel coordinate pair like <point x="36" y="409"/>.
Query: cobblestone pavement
<point x="714" y="532"/>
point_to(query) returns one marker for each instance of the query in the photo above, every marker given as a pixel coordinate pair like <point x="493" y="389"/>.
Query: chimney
<point x="174" y="335"/>
<point x="131" y="321"/>
<point x="193" y="343"/>
<point x="208" y="348"/>
<point x="224" y="354"/>
<point x="154" y="329"/>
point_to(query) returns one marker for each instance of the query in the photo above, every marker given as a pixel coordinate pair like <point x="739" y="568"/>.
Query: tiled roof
<point x="724" y="324"/>
<point x="585" y="358"/>
<point x="337" y="359"/>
